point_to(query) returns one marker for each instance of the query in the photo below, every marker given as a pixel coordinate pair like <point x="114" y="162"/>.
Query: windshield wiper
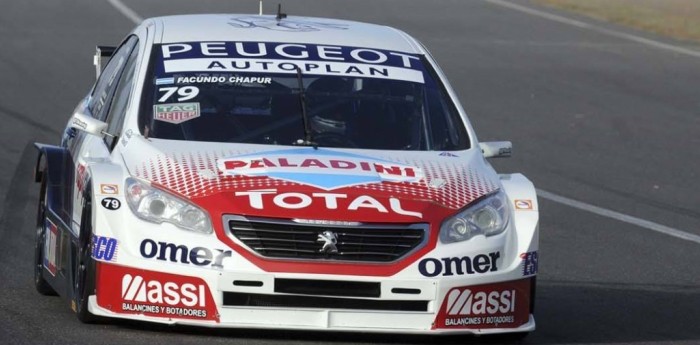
<point x="308" y="136"/>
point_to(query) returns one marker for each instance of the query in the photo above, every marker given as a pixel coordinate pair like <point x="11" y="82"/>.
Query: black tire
<point x="42" y="286"/>
<point x="84" y="272"/>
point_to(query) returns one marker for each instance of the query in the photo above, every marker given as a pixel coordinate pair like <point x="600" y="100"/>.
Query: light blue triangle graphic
<point x="325" y="181"/>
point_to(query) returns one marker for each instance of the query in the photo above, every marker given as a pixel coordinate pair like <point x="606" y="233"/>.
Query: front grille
<point x="290" y="240"/>
<point x="296" y="301"/>
<point x="328" y="287"/>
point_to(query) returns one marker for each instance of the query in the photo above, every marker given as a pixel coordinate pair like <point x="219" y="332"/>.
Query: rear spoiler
<point x="101" y="52"/>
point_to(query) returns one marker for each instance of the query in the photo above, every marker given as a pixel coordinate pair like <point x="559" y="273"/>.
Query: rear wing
<point x="100" y="53"/>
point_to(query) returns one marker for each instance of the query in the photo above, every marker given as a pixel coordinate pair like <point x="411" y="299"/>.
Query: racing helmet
<point x="329" y="111"/>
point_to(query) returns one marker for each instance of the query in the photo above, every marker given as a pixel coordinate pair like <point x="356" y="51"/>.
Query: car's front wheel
<point x="84" y="276"/>
<point x="41" y="285"/>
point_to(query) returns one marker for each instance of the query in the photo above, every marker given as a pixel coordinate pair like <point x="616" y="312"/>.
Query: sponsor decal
<point x="529" y="263"/>
<point x="165" y="81"/>
<point x="261" y="199"/>
<point x="448" y="154"/>
<point x="198" y="256"/>
<point x="522" y="204"/>
<point x="104" y="248"/>
<point x="111" y="203"/>
<point x="154" y="293"/>
<point x="322" y="168"/>
<point x="293" y="25"/>
<point x="79" y="124"/>
<point x="109" y="189"/>
<point x="270" y="66"/>
<point x="502" y="305"/>
<point x="465" y="265"/>
<point x="222" y="79"/>
<point x="80" y="177"/>
<point x="50" y="247"/>
<point x="175" y="112"/>
<point x="287" y="58"/>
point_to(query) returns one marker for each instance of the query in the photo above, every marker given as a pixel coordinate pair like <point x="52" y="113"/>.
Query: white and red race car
<point x="272" y="172"/>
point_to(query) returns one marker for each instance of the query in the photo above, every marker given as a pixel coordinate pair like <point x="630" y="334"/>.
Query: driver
<point x="330" y="107"/>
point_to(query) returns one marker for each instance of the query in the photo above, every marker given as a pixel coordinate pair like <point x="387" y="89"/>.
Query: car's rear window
<point x="248" y="92"/>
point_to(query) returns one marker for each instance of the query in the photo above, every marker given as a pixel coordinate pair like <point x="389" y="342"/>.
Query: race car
<point x="257" y="171"/>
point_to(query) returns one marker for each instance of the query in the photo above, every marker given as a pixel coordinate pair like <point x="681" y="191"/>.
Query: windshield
<point x="248" y="92"/>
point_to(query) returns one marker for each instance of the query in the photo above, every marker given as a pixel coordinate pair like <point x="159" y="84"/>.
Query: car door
<point x="85" y="148"/>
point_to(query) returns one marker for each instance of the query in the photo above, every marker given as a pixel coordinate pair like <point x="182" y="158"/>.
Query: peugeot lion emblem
<point x="329" y="240"/>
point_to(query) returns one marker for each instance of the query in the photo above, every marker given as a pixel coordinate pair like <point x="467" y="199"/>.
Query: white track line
<point x="609" y="32"/>
<point x="619" y="216"/>
<point x="652" y="43"/>
<point x="126" y="11"/>
<point x="134" y="17"/>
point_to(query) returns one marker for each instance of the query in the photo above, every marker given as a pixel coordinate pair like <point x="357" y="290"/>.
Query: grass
<point x="679" y="19"/>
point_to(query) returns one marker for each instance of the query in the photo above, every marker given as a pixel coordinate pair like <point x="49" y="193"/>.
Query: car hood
<point x="303" y="182"/>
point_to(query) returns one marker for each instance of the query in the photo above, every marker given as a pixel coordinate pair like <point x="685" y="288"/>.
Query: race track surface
<point x="594" y="117"/>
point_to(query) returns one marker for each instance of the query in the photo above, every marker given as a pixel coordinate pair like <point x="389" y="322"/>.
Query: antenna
<point x="260" y="13"/>
<point x="280" y="15"/>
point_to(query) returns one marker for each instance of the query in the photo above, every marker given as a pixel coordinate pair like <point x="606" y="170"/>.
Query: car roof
<point x="292" y="29"/>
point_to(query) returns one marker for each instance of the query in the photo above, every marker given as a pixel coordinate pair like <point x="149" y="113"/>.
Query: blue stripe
<point x="165" y="81"/>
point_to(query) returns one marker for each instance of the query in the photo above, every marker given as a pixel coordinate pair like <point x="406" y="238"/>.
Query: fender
<point x="523" y="201"/>
<point x="54" y="166"/>
<point x="523" y="198"/>
<point x="59" y="180"/>
<point x="518" y="187"/>
<point x="108" y="222"/>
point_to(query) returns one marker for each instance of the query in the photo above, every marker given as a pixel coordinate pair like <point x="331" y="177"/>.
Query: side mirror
<point x="496" y="149"/>
<point x="101" y="52"/>
<point x="88" y="124"/>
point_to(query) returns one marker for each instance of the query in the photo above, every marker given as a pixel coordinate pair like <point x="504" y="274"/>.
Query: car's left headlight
<point x="488" y="216"/>
<point x="156" y="205"/>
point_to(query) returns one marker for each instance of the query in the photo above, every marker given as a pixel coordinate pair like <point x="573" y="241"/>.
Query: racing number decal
<point x="111" y="203"/>
<point x="186" y="93"/>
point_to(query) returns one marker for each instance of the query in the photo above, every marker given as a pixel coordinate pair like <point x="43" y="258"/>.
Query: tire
<point x="84" y="272"/>
<point x="42" y="286"/>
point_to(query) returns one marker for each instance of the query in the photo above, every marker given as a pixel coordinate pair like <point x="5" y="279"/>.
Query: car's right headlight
<point x="488" y="216"/>
<point x="156" y="205"/>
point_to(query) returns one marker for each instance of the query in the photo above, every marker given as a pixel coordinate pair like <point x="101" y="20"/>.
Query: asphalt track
<point x="598" y="118"/>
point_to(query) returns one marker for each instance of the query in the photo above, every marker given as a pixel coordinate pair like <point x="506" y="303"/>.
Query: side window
<point x="107" y="82"/>
<point x="117" y="108"/>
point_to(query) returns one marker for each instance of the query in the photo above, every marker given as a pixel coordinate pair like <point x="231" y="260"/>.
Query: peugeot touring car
<point x="282" y="172"/>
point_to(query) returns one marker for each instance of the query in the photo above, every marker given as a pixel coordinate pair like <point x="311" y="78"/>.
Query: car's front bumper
<point x="317" y="320"/>
<point x="118" y="297"/>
